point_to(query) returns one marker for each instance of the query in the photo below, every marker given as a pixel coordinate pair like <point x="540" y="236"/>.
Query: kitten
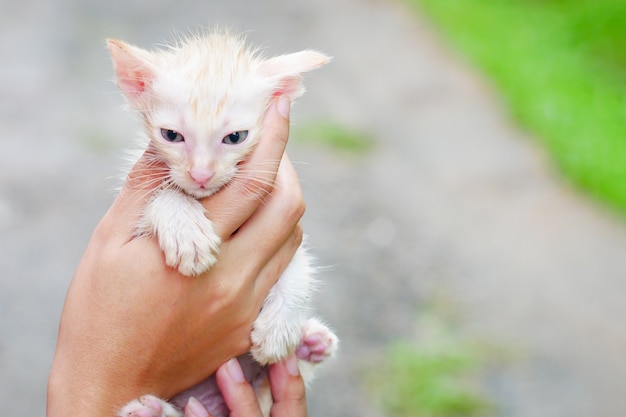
<point x="202" y="103"/>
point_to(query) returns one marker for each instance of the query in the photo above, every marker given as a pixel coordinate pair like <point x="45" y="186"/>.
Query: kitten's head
<point x="203" y="101"/>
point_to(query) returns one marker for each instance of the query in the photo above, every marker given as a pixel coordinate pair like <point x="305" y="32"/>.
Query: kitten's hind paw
<point x="149" y="406"/>
<point x="318" y="342"/>
<point x="273" y="340"/>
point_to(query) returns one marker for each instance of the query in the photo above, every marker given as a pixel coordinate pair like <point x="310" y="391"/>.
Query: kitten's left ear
<point x="287" y="71"/>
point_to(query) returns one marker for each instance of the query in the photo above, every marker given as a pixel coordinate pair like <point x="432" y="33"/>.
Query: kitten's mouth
<point x="195" y="190"/>
<point x="202" y="191"/>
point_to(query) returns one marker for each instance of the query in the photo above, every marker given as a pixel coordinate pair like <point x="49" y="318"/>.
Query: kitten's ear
<point x="133" y="69"/>
<point x="287" y="70"/>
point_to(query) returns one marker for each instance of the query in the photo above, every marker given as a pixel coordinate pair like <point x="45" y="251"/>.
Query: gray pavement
<point x="452" y="200"/>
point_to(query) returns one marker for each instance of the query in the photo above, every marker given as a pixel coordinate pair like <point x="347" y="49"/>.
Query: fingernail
<point x="195" y="409"/>
<point x="291" y="364"/>
<point x="283" y="106"/>
<point x="233" y="369"/>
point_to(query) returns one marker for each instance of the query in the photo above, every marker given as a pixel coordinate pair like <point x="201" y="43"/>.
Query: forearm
<point x="72" y="393"/>
<point x="82" y="380"/>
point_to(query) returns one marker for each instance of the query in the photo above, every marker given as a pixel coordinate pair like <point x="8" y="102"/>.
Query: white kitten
<point x="202" y="103"/>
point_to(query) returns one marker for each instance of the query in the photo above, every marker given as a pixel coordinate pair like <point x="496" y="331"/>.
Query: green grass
<point x="334" y="135"/>
<point x="561" y="67"/>
<point x="435" y="376"/>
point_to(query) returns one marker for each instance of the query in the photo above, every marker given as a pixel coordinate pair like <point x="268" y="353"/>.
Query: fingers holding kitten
<point x="281" y="211"/>
<point x="278" y="223"/>
<point x="288" y="389"/>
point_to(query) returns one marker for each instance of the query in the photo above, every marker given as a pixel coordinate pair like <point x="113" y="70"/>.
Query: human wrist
<point x="70" y="394"/>
<point x="83" y="381"/>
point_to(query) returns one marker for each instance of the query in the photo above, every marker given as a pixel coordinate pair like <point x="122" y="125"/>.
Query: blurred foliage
<point x="561" y="68"/>
<point x="434" y="376"/>
<point x="334" y="135"/>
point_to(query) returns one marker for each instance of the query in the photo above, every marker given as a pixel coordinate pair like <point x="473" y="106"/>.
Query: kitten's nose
<point x="201" y="176"/>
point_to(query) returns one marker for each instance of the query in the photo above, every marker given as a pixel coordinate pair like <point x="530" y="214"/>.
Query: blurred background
<point x="463" y="166"/>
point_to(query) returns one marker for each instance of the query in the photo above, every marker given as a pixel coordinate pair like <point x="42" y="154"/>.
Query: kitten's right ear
<point x="133" y="69"/>
<point x="286" y="71"/>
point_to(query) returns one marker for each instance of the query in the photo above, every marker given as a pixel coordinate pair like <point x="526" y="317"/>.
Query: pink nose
<point x="201" y="176"/>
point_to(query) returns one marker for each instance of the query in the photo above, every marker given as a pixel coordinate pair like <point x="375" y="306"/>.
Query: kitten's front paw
<point x="185" y="234"/>
<point x="149" y="406"/>
<point x="318" y="342"/>
<point x="191" y="247"/>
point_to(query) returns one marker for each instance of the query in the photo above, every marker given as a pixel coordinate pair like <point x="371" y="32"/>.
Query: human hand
<point x="131" y="325"/>
<point x="288" y="391"/>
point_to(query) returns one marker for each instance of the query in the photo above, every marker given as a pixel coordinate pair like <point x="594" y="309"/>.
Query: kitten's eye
<point x="235" y="137"/>
<point x="172" y="135"/>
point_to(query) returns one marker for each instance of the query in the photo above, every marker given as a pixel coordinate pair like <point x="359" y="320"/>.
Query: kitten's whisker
<point x="149" y="178"/>
<point x="151" y="186"/>
<point x="151" y="174"/>
<point x="256" y="176"/>
<point x="258" y="182"/>
<point x="141" y="194"/>
<point x="273" y="165"/>
<point x="153" y="167"/>
<point x="258" y="190"/>
<point x="271" y="161"/>
<point x="264" y="170"/>
<point x="259" y="193"/>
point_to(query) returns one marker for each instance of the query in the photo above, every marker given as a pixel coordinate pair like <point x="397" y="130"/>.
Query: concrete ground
<point x="452" y="200"/>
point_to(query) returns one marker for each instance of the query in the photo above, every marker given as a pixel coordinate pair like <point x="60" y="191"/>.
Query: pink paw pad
<point x="148" y="406"/>
<point x="318" y="342"/>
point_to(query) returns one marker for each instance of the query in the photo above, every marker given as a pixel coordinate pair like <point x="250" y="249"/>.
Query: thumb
<point x="235" y="203"/>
